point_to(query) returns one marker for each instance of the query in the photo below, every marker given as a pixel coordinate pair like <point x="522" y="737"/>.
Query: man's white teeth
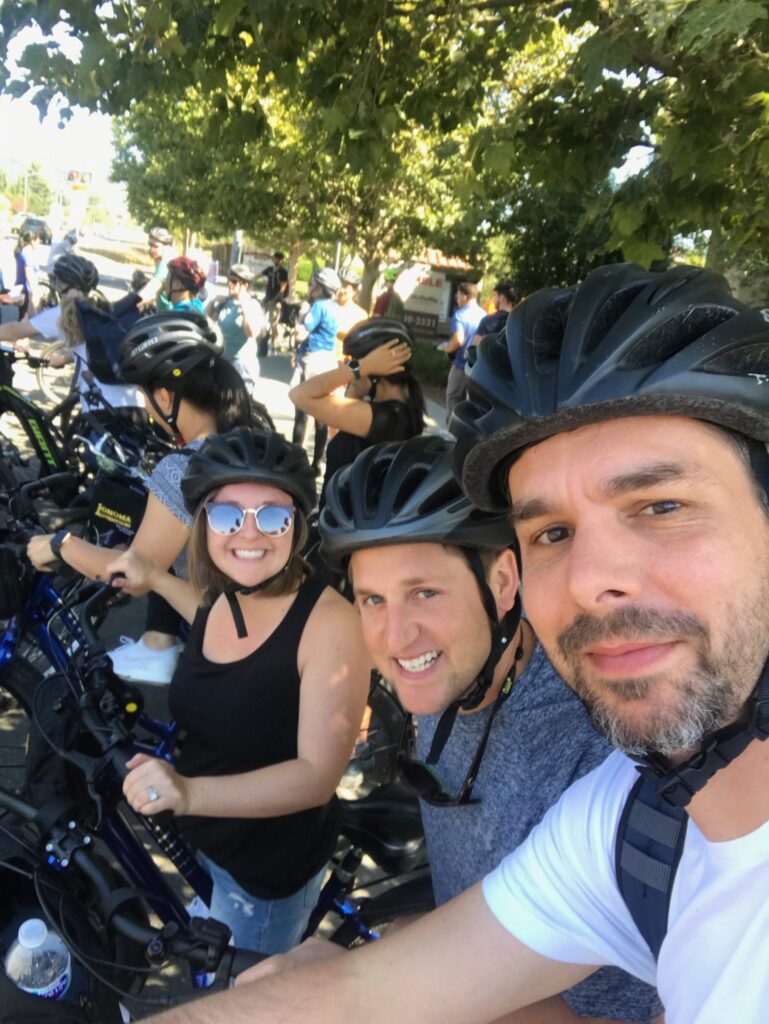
<point x="418" y="664"/>
<point x="248" y="553"/>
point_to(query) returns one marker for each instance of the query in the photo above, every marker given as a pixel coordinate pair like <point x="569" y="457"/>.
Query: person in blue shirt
<point x="26" y="270"/>
<point x="316" y="351"/>
<point x="464" y="326"/>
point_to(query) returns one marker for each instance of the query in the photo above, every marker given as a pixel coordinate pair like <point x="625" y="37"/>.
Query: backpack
<point x="650" y="841"/>
<point x="103" y="330"/>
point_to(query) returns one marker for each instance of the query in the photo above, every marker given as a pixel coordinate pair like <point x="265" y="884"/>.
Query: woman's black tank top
<point x="239" y="717"/>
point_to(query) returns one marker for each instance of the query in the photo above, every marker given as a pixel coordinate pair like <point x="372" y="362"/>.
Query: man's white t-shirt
<point x="557" y="893"/>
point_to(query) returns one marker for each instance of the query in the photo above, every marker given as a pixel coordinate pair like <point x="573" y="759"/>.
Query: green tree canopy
<point x="684" y="81"/>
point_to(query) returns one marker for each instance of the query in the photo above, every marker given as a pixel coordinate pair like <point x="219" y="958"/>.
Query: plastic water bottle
<point x="38" y="962"/>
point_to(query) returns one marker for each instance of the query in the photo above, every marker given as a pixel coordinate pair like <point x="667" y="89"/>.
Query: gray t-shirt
<point x="166" y="484"/>
<point x="540" y="742"/>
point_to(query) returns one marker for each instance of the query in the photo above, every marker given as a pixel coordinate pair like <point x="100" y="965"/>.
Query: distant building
<point x="427" y="284"/>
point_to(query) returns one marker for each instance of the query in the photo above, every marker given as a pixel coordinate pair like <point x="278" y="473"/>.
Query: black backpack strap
<point x="650" y="841"/>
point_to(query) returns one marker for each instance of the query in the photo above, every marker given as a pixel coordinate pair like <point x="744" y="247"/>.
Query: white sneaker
<point x="137" y="663"/>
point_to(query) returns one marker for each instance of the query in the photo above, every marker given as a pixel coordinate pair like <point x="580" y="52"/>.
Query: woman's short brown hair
<point x="209" y="582"/>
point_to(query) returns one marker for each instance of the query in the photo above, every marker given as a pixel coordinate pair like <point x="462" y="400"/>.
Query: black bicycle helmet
<point x="249" y="456"/>
<point x="404" y="493"/>
<point x="160" y="236"/>
<point x="373" y="333"/>
<point x="72" y="271"/>
<point x="165" y="346"/>
<point x="626" y="342"/>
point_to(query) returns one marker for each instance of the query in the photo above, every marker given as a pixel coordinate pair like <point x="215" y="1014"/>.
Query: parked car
<point x="39" y="226"/>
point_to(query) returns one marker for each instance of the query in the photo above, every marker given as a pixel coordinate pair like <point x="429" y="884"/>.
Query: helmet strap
<point x="232" y="600"/>
<point x="169" y="418"/>
<point x="678" y="784"/>
<point x="502" y="632"/>
<point x="232" y="591"/>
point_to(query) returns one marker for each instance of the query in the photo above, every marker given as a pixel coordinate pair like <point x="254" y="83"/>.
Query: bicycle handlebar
<point x="204" y="944"/>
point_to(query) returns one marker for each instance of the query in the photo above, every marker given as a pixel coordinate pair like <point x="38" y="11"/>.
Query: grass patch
<point x="133" y="255"/>
<point x="430" y="367"/>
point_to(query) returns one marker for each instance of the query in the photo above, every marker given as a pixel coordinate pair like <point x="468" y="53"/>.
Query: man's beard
<point x="710" y="696"/>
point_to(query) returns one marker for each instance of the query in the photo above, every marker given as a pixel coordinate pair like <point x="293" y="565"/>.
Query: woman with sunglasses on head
<point x="242" y="322"/>
<point x="382" y="400"/>
<point x="269" y="690"/>
<point x="176" y="360"/>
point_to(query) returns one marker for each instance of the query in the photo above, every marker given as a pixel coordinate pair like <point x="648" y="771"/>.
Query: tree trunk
<point x="294" y="252"/>
<point x="370" y="275"/>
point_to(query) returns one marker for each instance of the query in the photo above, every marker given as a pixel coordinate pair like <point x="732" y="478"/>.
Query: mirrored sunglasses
<point x="272" y="520"/>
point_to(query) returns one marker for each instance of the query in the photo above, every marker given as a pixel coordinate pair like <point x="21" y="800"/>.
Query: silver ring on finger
<point x="152" y="794"/>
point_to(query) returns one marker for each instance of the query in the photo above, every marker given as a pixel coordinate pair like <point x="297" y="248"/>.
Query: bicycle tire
<point x="410" y="898"/>
<point x="54" y="384"/>
<point x="20" y="680"/>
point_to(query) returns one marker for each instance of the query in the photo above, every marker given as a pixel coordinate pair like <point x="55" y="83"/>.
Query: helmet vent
<point x="408" y="485"/>
<point x="608" y="315"/>
<point x="675" y="334"/>
<point x="741" y="361"/>
<point x="441" y="499"/>
<point x="547" y="335"/>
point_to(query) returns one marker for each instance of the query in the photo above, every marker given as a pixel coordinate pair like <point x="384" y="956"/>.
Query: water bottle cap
<point x="33" y="933"/>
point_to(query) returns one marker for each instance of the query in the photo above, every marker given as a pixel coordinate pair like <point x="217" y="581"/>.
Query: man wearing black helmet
<point x="626" y="421"/>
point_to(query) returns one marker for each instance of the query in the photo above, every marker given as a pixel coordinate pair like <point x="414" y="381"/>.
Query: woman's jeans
<point x="268" y="926"/>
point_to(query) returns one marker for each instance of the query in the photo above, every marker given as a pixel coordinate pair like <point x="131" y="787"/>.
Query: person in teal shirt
<point x="159" y="242"/>
<point x="242" y="322"/>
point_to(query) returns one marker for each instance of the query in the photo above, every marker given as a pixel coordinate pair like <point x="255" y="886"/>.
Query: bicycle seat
<point x="386" y="825"/>
<point x="53" y="518"/>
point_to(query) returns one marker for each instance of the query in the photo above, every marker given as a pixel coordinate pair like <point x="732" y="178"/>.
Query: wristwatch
<point x="58" y="541"/>
<point x="354" y="365"/>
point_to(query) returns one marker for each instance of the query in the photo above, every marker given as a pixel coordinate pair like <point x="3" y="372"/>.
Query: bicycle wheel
<point x="20" y="681"/>
<point x="55" y="384"/>
<point x="17" y="687"/>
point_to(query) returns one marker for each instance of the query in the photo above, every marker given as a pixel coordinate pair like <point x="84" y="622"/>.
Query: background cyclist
<point x="316" y="351"/>
<point x="381" y="400"/>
